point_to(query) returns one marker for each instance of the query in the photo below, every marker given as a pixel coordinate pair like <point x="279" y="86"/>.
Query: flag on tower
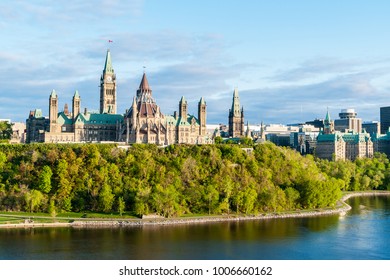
<point x="110" y="41"/>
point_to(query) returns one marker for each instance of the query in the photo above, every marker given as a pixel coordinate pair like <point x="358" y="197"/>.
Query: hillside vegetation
<point x="176" y="180"/>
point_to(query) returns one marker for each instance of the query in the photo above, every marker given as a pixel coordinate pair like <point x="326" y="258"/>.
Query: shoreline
<point x="342" y="208"/>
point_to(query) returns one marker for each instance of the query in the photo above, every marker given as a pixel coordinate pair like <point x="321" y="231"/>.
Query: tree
<point x="218" y="140"/>
<point x="3" y="159"/>
<point x="5" y="130"/>
<point x="52" y="208"/>
<point x="212" y="196"/>
<point x="33" y="200"/>
<point x="250" y="197"/>
<point x="292" y="197"/>
<point x="166" y="201"/>
<point x="64" y="185"/>
<point x="121" y="205"/>
<point x="246" y="141"/>
<point x="141" y="200"/>
<point x="44" y="184"/>
<point x="106" y="198"/>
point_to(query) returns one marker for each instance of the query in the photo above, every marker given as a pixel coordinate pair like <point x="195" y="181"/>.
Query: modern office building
<point x="348" y="121"/>
<point x="373" y="127"/>
<point x="382" y="143"/>
<point x="385" y="119"/>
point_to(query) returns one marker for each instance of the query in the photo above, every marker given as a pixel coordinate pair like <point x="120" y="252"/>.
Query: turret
<point x="76" y="104"/>
<point x="53" y="107"/>
<point x="328" y="124"/>
<point x="53" y="110"/>
<point x="183" y="108"/>
<point x="202" y="116"/>
<point x="134" y="110"/>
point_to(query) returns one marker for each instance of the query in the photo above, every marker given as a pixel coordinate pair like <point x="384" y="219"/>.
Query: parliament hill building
<point x="143" y="122"/>
<point x="236" y="117"/>
<point x="350" y="144"/>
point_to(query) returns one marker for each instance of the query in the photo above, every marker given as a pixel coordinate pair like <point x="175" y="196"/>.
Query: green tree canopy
<point x="5" y="130"/>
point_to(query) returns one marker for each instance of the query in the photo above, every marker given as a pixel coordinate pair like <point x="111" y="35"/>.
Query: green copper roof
<point x="182" y="100"/>
<point x="171" y="120"/>
<point x="76" y="94"/>
<point x="181" y="121"/>
<point x="356" y="137"/>
<point x="328" y="137"/>
<point x="108" y="65"/>
<point x="202" y="101"/>
<point x="327" y="117"/>
<point x="382" y="137"/>
<point x="63" y="119"/>
<point x="99" y="118"/>
<point x="38" y="113"/>
<point x="53" y="93"/>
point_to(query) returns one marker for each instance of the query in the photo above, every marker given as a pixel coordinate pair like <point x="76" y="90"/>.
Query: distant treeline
<point x="176" y="180"/>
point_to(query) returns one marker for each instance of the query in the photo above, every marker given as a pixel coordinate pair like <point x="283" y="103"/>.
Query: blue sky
<point x="290" y="60"/>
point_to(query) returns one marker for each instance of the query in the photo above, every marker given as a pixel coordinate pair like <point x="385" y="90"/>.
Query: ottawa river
<point x="361" y="234"/>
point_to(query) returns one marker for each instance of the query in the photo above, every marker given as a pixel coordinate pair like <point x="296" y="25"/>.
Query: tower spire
<point x="328" y="125"/>
<point x="236" y="117"/>
<point x="144" y="85"/>
<point x="108" y="65"/>
<point x="236" y="103"/>
<point x="327" y="117"/>
<point x="108" y="88"/>
<point x="144" y="91"/>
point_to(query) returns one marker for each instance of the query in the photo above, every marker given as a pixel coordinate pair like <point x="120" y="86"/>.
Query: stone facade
<point x="236" y="117"/>
<point x="330" y="146"/>
<point x="334" y="145"/>
<point x="358" y="145"/>
<point x="143" y="122"/>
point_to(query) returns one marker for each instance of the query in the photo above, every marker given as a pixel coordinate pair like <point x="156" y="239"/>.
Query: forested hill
<point x="176" y="180"/>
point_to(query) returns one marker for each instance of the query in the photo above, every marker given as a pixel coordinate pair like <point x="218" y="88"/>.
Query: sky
<point x="289" y="60"/>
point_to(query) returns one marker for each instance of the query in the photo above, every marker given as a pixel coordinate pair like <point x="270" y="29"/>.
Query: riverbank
<point x="342" y="208"/>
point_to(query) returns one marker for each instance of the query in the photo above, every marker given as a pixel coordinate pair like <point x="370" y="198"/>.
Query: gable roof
<point x="99" y="118"/>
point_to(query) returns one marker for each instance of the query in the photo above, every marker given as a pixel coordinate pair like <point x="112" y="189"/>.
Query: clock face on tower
<point x="109" y="79"/>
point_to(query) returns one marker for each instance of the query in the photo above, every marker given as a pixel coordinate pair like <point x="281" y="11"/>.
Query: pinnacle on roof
<point x="235" y="94"/>
<point x="144" y="85"/>
<point x="76" y="94"/>
<point x="108" y="64"/>
<point x="53" y="93"/>
<point x="327" y="117"/>
<point x="236" y="102"/>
